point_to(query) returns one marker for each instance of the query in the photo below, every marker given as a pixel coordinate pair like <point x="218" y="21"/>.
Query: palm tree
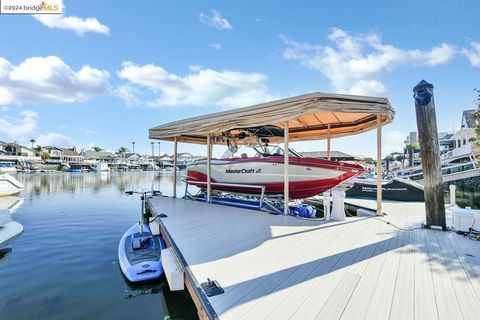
<point x="97" y="149"/>
<point x="38" y="150"/>
<point x="411" y="149"/>
<point x="121" y="151"/>
<point x="32" y="141"/>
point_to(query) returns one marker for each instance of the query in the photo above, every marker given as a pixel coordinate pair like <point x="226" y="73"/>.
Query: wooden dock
<point x="280" y="267"/>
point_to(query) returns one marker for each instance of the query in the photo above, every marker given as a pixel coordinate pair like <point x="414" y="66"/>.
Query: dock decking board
<point x="279" y="267"/>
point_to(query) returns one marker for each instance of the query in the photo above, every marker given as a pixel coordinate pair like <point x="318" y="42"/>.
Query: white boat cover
<point x="308" y="118"/>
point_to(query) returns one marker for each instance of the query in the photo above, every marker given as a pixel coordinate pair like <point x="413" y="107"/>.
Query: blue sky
<point x="106" y="71"/>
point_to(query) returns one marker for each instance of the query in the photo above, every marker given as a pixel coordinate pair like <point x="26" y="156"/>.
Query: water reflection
<point x="64" y="266"/>
<point x="38" y="185"/>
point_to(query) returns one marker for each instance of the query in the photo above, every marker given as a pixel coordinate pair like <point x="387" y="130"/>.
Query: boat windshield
<point x="259" y="151"/>
<point x="268" y="151"/>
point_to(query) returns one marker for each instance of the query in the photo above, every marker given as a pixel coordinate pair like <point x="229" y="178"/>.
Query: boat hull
<point x="397" y="189"/>
<point x="9" y="185"/>
<point x="307" y="176"/>
<point x="9" y="231"/>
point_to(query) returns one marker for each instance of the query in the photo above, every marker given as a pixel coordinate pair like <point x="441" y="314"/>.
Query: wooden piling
<point x="430" y="153"/>
<point x="175" y="167"/>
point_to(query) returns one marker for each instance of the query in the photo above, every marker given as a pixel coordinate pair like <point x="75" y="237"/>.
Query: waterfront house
<point x="17" y="154"/>
<point x="62" y="155"/>
<point x="71" y="155"/>
<point x="98" y="156"/>
<point x="143" y="161"/>
<point x="131" y="157"/>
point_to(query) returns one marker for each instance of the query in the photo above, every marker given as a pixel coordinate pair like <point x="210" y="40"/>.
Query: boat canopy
<point x="313" y="116"/>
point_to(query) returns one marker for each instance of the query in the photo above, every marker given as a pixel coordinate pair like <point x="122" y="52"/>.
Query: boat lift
<point x="306" y="117"/>
<point x="257" y="201"/>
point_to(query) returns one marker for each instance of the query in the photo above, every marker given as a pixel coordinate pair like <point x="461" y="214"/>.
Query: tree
<point x="400" y="157"/>
<point x="411" y="149"/>
<point x="97" y="149"/>
<point x="42" y="154"/>
<point x="121" y="151"/>
<point x="32" y="141"/>
<point x="38" y="150"/>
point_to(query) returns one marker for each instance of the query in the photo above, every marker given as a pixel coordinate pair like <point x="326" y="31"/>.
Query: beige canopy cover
<point x="308" y="116"/>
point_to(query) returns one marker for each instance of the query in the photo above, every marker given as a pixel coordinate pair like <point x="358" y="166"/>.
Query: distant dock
<point x="280" y="267"/>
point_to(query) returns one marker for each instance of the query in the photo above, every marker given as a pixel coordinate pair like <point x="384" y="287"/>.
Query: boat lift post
<point x="379" y="166"/>
<point x="175" y="167"/>
<point x="285" y="170"/>
<point x="329" y="152"/>
<point x="209" y="167"/>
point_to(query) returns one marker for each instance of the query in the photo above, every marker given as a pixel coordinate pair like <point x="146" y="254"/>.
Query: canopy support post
<point x="175" y="167"/>
<point x="379" y="166"/>
<point x="328" y="143"/>
<point x="209" y="167"/>
<point x="285" y="170"/>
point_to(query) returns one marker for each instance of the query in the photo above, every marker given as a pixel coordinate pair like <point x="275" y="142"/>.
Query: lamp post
<point x="159" y="149"/>
<point x="133" y="146"/>
<point x="153" y="149"/>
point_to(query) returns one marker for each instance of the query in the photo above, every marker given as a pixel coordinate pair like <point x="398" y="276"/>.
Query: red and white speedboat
<point x="307" y="176"/>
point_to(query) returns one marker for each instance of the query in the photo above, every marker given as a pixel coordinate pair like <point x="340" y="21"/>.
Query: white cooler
<point x="463" y="219"/>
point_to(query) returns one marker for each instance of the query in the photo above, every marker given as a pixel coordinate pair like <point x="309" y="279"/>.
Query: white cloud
<point x="354" y="64"/>
<point x="24" y="124"/>
<point x="217" y="46"/>
<point x="473" y="55"/>
<point x="49" y="79"/>
<point x="201" y="87"/>
<point x="215" y="21"/>
<point x="79" y="25"/>
<point x="393" y="141"/>
<point x="55" y="139"/>
<point x="87" y="146"/>
<point x="128" y="94"/>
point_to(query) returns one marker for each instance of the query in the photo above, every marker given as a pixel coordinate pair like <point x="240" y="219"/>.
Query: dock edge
<point x="204" y="308"/>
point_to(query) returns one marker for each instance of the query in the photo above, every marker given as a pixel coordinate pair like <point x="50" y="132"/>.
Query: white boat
<point x="101" y="166"/>
<point x="9" y="228"/>
<point x="10" y="203"/>
<point x="308" y="176"/>
<point x="458" y="163"/>
<point x="7" y="167"/>
<point x="9" y="185"/>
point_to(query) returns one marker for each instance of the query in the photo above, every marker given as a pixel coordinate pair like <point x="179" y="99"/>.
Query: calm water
<point x="64" y="265"/>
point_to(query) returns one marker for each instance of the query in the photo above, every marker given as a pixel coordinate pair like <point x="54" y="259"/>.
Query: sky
<point x="105" y="72"/>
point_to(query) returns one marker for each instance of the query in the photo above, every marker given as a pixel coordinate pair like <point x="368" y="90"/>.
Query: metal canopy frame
<point x="359" y="114"/>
